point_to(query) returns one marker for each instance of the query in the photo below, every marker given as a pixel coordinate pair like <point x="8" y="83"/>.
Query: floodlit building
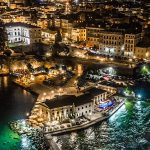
<point x="111" y="42"/>
<point x="62" y="107"/>
<point x="78" y="34"/>
<point x="65" y="106"/>
<point x="22" y="33"/>
<point x="93" y="36"/>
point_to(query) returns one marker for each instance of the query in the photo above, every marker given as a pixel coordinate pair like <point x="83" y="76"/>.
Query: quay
<point x="49" y="135"/>
<point x="97" y="117"/>
<point x="85" y="125"/>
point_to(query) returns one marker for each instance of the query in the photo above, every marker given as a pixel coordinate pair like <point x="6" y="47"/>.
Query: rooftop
<point x="67" y="100"/>
<point x="14" y="24"/>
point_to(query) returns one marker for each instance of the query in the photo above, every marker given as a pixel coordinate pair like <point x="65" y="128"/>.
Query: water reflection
<point x="125" y="130"/>
<point x="5" y="81"/>
<point x="15" y="103"/>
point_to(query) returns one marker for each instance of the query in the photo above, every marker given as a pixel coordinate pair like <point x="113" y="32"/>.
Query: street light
<point x="52" y="92"/>
<point x="27" y="114"/>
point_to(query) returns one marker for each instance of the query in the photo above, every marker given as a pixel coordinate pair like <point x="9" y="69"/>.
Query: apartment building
<point x="130" y="42"/>
<point x="78" y="34"/>
<point x="113" y="42"/>
<point x="142" y="51"/>
<point x="22" y="33"/>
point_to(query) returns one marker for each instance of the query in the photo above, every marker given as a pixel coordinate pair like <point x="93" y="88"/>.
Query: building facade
<point x="78" y="34"/>
<point x="23" y="34"/>
<point x="130" y="42"/>
<point x="66" y="106"/>
<point x="142" y="52"/>
<point x="113" y="42"/>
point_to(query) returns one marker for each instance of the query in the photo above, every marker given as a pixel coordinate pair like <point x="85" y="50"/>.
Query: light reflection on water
<point x="5" y="81"/>
<point x="124" y="130"/>
<point x="15" y="103"/>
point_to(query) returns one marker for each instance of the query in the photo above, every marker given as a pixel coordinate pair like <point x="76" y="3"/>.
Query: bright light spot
<point x="118" y="113"/>
<point x="32" y="78"/>
<point x="52" y="91"/>
<point x="130" y="60"/>
<point x="111" y="59"/>
<point x="110" y="68"/>
<point x="25" y="142"/>
<point x="139" y="96"/>
<point x="23" y="123"/>
<point x="48" y="54"/>
<point x="144" y="67"/>
<point x="75" y="82"/>
<point x="27" y="114"/>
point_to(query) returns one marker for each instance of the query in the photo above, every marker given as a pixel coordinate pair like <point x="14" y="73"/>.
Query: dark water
<point x="15" y="103"/>
<point x="125" y="130"/>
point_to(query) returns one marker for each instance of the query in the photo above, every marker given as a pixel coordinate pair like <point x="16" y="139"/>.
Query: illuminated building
<point x="48" y="36"/>
<point x="113" y="42"/>
<point x="67" y="7"/>
<point x="78" y="34"/>
<point x="62" y="107"/>
<point x="142" y="51"/>
<point x="22" y="33"/>
<point x="130" y="42"/>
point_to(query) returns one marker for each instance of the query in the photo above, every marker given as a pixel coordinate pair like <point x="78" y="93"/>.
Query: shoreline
<point x="77" y="127"/>
<point x="51" y="143"/>
<point x="85" y="125"/>
<point x="28" y="89"/>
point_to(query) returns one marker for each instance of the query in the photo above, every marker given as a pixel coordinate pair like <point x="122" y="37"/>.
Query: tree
<point x="3" y="36"/>
<point x="7" y="53"/>
<point x="58" y="37"/>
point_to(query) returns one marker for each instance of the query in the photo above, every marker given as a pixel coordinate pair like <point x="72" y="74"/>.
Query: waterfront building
<point x="142" y="51"/>
<point x="63" y="107"/>
<point x="130" y="42"/>
<point x="22" y="33"/>
<point x="113" y="42"/>
<point x="66" y="106"/>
